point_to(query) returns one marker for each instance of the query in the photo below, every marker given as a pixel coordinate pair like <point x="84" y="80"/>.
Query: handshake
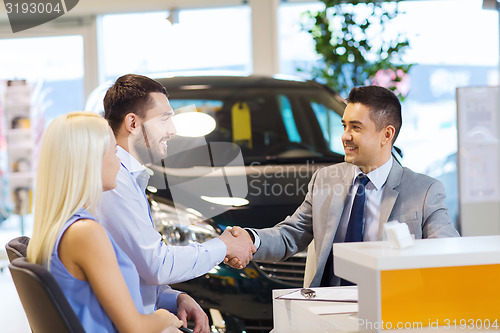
<point x="240" y="248"/>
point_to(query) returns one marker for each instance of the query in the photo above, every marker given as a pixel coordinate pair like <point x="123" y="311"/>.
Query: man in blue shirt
<point x="140" y="115"/>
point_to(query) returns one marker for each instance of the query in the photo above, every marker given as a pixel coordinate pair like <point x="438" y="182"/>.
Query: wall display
<point x="5" y="202"/>
<point x="18" y="107"/>
<point x="478" y="160"/>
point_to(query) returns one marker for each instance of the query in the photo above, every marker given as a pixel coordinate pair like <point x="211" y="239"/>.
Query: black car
<point x="252" y="170"/>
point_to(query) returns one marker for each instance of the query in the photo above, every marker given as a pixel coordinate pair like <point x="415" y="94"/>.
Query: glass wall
<point x="53" y="65"/>
<point x="190" y="41"/>
<point x="453" y="43"/>
<point x="54" y="68"/>
<point x="448" y="54"/>
<point x="296" y="47"/>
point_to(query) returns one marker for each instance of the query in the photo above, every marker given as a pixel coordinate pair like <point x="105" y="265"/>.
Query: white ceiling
<point x="92" y="7"/>
<point x="96" y="7"/>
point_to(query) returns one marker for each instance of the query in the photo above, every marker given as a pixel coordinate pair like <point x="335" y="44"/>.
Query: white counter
<point x="307" y="316"/>
<point x="445" y="280"/>
<point x="436" y="252"/>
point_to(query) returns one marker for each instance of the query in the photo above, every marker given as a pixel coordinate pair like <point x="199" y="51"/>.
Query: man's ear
<point x="388" y="135"/>
<point x="131" y="122"/>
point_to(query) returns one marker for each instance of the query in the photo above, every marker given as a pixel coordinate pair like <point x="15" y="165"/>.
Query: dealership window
<point x="296" y="47"/>
<point x="194" y="40"/>
<point x="447" y="54"/>
<point x="331" y="126"/>
<point x="53" y="65"/>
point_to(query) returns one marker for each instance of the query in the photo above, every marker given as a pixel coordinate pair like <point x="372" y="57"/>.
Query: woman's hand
<point x="168" y="318"/>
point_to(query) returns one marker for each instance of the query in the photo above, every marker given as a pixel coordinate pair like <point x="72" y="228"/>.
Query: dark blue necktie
<point x="355" y="227"/>
<point x="354" y="230"/>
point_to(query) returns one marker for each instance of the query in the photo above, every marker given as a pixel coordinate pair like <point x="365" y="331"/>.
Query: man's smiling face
<point x="156" y="129"/>
<point x="362" y="142"/>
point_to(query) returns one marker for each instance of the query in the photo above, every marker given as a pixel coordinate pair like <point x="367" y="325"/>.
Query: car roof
<point x="257" y="81"/>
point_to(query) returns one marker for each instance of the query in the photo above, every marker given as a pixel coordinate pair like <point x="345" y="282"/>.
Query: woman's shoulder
<point x="86" y="224"/>
<point x="85" y="231"/>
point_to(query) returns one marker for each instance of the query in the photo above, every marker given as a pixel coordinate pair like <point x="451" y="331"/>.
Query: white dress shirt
<point x="374" y="191"/>
<point x="124" y="212"/>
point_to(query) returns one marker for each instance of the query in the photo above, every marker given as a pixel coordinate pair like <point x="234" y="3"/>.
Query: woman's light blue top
<point x="80" y="294"/>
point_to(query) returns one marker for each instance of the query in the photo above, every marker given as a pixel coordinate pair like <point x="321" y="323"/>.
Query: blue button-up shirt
<point x="124" y="212"/>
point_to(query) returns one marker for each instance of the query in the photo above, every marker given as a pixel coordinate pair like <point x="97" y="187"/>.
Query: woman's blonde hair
<point x="69" y="176"/>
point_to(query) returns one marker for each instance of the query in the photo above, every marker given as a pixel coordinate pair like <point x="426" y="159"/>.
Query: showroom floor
<point x="12" y="317"/>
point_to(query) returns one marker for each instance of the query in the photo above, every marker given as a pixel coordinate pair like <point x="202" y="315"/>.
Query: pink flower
<point x="398" y="81"/>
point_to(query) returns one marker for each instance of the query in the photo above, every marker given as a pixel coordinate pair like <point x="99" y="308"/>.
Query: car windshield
<point x="269" y="124"/>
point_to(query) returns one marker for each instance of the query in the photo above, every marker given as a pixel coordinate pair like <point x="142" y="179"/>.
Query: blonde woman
<point x="77" y="162"/>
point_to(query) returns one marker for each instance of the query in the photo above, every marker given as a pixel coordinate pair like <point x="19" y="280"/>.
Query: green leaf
<point x="340" y="33"/>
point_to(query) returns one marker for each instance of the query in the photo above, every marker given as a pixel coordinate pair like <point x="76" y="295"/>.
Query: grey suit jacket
<point x="409" y="197"/>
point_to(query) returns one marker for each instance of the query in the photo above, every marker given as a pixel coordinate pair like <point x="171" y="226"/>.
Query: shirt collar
<point x="379" y="176"/>
<point x="136" y="169"/>
<point x="129" y="161"/>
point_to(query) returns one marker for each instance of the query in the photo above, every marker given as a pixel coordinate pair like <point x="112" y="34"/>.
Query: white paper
<point x="478" y="140"/>
<point x="479" y="177"/>
<point x="398" y="234"/>
<point x="477" y="114"/>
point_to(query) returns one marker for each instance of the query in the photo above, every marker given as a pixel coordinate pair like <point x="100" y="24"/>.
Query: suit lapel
<point x="337" y="202"/>
<point x="337" y="196"/>
<point x="390" y="195"/>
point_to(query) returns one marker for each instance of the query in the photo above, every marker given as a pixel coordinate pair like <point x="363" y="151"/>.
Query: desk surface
<point x="299" y="317"/>
<point x="425" y="253"/>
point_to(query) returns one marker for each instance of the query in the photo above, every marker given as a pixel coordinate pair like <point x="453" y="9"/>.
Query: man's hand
<point x="187" y="308"/>
<point x="240" y="248"/>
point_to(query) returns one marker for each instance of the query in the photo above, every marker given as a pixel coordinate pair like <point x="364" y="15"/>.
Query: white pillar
<point x="265" y="36"/>
<point x="91" y="57"/>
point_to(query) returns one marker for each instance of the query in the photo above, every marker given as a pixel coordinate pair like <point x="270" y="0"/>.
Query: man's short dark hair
<point x="385" y="108"/>
<point x="129" y="94"/>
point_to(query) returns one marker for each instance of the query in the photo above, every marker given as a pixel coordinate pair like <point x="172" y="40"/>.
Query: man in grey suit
<point x="371" y="121"/>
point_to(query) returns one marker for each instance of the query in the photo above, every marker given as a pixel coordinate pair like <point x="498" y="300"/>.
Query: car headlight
<point x="180" y="226"/>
